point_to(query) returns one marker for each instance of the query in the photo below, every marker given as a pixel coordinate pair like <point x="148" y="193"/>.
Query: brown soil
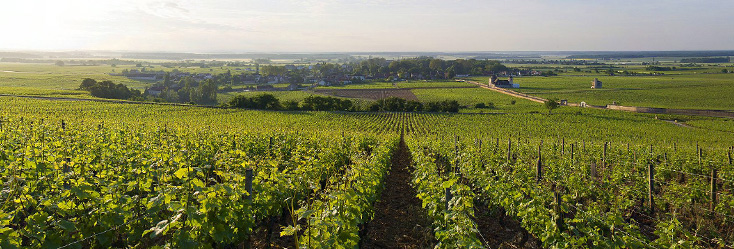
<point x="500" y="231"/>
<point x="261" y="238"/>
<point x="400" y="221"/>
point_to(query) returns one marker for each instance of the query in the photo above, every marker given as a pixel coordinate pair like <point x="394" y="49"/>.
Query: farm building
<point x="494" y="81"/>
<point x="596" y="83"/>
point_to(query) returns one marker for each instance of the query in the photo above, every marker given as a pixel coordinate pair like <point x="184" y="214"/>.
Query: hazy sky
<point x="366" y="25"/>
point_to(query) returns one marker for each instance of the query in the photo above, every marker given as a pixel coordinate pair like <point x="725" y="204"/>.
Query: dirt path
<point x="400" y="221"/>
<point x="509" y="92"/>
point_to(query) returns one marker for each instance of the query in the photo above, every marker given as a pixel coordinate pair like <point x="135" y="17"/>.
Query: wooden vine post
<point x="448" y="197"/>
<point x="248" y="183"/>
<point x="509" y="151"/>
<point x="539" y="168"/>
<point x="572" y="150"/>
<point x="604" y="156"/>
<point x="713" y="190"/>
<point x="650" y="182"/>
<point x="248" y="188"/>
<point x="456" y="147"/>
<point x="593" y="170"/>
<point x="557" y="207"/>
<point x="270" y="146"/>
<point x="700" y="156"/>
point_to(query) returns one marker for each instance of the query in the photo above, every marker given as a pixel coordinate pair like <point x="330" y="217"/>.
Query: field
<point x="84" y="174"/>
<point x="40" y="78"/>
<point x="401" y="84"/>
<point x="317" y="177"/>
<point x="675" y="89"/>
<point x="15" y="76"/>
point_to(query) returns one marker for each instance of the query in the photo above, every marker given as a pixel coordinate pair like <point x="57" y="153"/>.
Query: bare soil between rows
<point x="399" y="221"/>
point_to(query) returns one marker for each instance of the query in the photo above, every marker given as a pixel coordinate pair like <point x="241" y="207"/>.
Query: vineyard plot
<point x="101" y="175"/>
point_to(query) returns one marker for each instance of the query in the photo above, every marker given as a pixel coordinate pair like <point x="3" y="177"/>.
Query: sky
<point x="233" y="26"/>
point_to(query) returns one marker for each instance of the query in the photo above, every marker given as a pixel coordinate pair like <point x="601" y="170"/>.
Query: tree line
<point x="192" y="92"/>
<point x="109" y="90"/>
<point x="325" y="103"/>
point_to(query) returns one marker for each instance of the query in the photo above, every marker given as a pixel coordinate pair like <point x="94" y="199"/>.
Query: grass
<point x="595" y="126"/>
<point x="400" y="84"/>
<point x="472" y="96"/>
<point x="682" y="91"/>
<point x="52" y="77"/>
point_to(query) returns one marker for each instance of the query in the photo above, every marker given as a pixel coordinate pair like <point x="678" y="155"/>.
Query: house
<point x="293" y="87"/>
<point x="496" y="82"/>
<point x="265" y="88"/>
<point x="145" y="76"/>
<point x="596" y="83"/>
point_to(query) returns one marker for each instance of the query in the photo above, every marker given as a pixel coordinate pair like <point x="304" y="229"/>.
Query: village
<point x="292" y="77"/>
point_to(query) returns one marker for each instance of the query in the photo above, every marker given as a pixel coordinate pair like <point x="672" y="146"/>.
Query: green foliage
<point x="395" y="104"/>
<point x="551" y="104"/>
<point x="442" y="106"/>
<point x="174" y="187"/>
<point x="262" y="102"/>
<point x="137" y="178"/>
<point x="107" y="89"/>
<point x="319" y="103"/>
<point x="592" y="212"/>
<point x="489" y="105"/>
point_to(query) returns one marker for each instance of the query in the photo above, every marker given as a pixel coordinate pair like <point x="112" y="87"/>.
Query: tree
<point x="551" y="104"/>
<point x="59" y="63"/>
<point x="87" y="84"/>
<point x="167" y="80"/>
<point x="436" y="65"/>
<point x="450" y="73"/>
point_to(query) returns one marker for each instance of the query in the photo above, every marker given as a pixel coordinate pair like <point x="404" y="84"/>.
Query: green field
<point x="175" y="176"/>
<point x="38" y="78"/>
<point x="471" y="96"/>
<point x="51" y="77"/>
<point x="86" y="174"/>
<point x="400" y="84"/>
<point x="684" y="91"/>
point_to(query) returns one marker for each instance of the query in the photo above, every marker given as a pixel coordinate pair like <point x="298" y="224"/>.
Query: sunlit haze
<point x="377" y="25"/>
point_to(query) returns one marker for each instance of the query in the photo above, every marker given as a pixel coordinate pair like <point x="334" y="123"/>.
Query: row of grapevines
<point x="432" y="178"/>
<point x="334" y="217"/>
<point x="94" y="186"/>
<point x="604" y="210"/>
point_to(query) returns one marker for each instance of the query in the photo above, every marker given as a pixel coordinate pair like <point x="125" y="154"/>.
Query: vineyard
<point x="105" y="175"/>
